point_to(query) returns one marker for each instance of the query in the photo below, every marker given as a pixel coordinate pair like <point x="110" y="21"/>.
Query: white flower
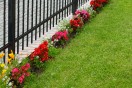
<point x="37" y="56"/>
<point x="10" y="85"/>
<point x="3" y="79"/>
<point x="56" y="40"/>
<point x="52" y="42"/>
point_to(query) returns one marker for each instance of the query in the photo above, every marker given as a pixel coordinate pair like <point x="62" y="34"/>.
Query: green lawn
<point x="99" y="57"/>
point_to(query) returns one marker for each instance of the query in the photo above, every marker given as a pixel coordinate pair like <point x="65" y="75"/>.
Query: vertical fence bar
<point x="47" y="15"/>
<point x="4" y="27"/>
<point x="50" y="12"/>
<point x="36" y="19"/>
<point x="27" y="20"/>
<point x="56" y="10"/>
<point x="23" y="23"/>
<point x="40" y="17"/>
<point x="53" y="12"/>
<point x="74" y="6"/>
<point x="11" y="25"/>
<point x="70" y="10"/>
<point x="18" y="10"/>
<point x="65" y="9"/>
<point x="32" y="22"/>
<point x="79" y="3"/>
<point x="59" y="8"/>
<point x="62" y="8"/>
<point x="43" y="15"/>
<point x="68" y="7"/>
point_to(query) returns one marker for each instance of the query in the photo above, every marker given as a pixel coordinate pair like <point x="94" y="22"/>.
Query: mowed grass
<point x="99" y="57"/>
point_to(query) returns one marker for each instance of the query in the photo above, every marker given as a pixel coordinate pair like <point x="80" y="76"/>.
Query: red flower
<point x="75" y="23"/>
<point x="92" y="2"/>
<point x="44" y="57"/>
<point x="96" y="4"/>
<point x="45" y="43"/>
<point x="32" y="56"/>
<point x="37" y="51"/>
<point x="40" y="51"/>
<point x="102" y="1"/>
<point x="43" y="47"/>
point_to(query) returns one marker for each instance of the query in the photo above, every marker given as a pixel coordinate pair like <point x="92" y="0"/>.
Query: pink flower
<point x="15" y="71"/>
<point x="25" y="67"/>
<point x="19" y="74"/>
<point x="84" y="14"/>
<point x="60" y="35"/>
<point x="21" y="79"/>
<point x="27" y="74"/>
<point x="77" y="12"/>
<point x="65" y="33"/>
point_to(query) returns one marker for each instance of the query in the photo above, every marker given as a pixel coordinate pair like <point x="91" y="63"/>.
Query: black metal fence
<point x="23" y="21"/>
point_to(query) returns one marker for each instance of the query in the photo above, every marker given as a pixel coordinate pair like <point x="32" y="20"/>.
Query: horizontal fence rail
<point x="24" y="21"/>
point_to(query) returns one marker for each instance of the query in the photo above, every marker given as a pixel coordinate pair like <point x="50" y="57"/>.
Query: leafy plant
<point x="38" y="56"/>
<point x="76" y="22"/>
<point x="97" y="4"/>
<point x="59" y="38"/>
<point x="19" y="74"/>
<point x="84" y="14"/>
<point x="41" y="52"/>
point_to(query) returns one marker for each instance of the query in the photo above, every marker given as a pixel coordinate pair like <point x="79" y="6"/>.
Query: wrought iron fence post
<point x="74" y="5"/>
<point x="11" y="25"/>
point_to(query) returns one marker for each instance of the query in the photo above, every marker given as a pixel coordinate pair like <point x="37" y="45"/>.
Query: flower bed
<point x="14" y="75"/>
